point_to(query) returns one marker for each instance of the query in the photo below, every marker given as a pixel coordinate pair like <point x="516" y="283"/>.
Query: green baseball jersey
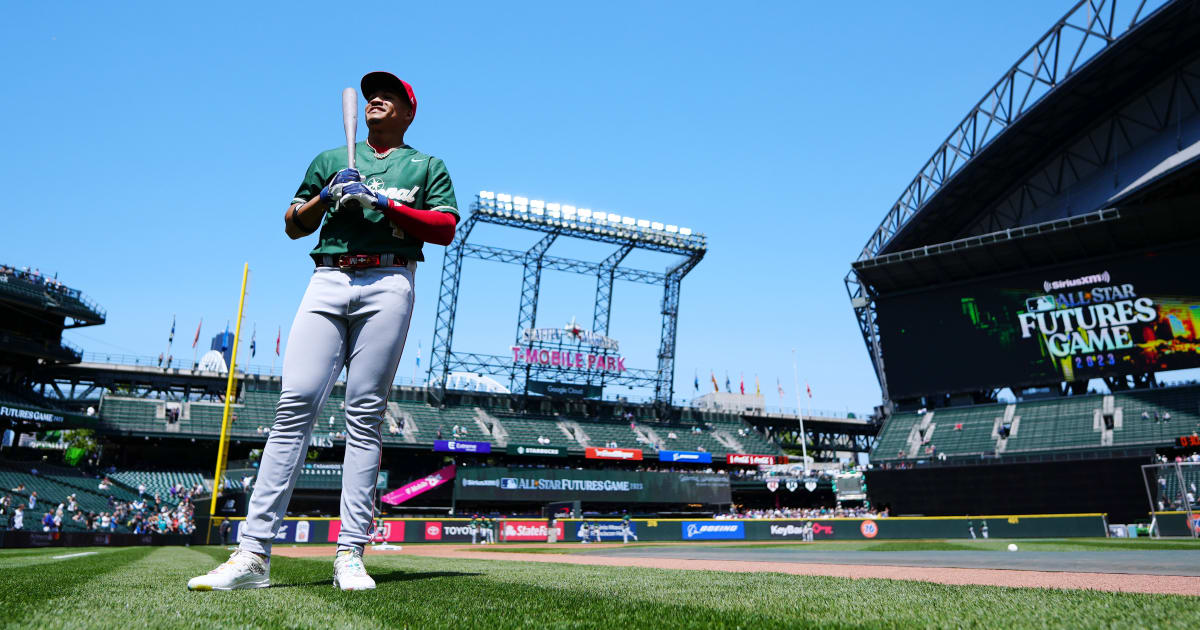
<point x="415" y="179"/>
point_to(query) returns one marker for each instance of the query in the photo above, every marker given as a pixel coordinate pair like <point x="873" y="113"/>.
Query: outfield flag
<point x="696" y="380"/>
<point x="278" y="333"/>
<point x="742" y="383"/>
<point x="253" y="335"/>
<point x="808" y="388"/>
<point x="727" y="390"/>
<point x="418" y="354"/>
<point x="196" y="339"/>
<point x="713" y="375"/>
<point x="171" y="339"/>
<point x="779" y="385"/>
<point x="757" y="388"/>
<point x="225" y="337"/>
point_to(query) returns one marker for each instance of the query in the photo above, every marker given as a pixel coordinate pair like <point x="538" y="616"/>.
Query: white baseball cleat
<point x="242" y="570"/>
<point x="349" y="573"/>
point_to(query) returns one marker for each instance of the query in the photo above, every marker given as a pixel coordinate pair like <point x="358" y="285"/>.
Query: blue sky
<point x="152" y="149"/>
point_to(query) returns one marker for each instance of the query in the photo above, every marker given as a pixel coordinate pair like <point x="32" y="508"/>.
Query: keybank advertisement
<point x="713" y="530"/>
<point x="611" y="486"/>
<point x="1076" y="322"/>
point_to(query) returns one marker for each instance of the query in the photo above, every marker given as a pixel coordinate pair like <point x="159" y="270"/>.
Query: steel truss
<point x="1089" y="29"/>
<point x="445" y="360"/>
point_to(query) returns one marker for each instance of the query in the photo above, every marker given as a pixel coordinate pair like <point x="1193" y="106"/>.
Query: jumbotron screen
<point x="1074" y="322"/>
<point x="603" y="486"/>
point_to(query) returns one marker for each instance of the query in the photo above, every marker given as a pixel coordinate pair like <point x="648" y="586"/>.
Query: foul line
<point x="75" y="555"/>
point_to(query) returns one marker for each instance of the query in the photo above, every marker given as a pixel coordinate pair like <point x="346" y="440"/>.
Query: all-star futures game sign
<point x="572" y="348"/>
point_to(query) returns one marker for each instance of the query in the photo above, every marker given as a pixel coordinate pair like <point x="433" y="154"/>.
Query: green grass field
<point x="145" y="587"/>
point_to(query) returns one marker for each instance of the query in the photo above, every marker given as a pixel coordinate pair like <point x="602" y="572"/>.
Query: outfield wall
<point x="88" y="539"/>
<point x="419" y="530"/>
<point x="1176" y="523"/>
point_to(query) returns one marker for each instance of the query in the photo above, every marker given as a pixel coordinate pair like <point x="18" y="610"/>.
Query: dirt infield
<point x="1122" y="582"/>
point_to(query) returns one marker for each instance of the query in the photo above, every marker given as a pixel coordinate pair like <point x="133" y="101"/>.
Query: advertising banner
<point x="518" y="531"/>
<point x="289" y="531"/>
<point x="800" y="530"/>
<point x="749" y="460"/>
<point x="393" y="531"/>
<point x="628" y="454"/>
<point x="609" y="486"/>
<point x="424" y="484"/>
<point x="461" y="446"/>
<point x="609" y="530"/>
<point x="563" y="390"/>
<point x="694" y="457"/>
<point x="447" y="531"/>
<point x="713" y="530"/>
<point x="1130" y="314"/>
<point x="536" y="450"/>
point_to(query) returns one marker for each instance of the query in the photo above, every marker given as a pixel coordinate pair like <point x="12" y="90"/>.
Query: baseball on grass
<point x="1012" y="546"/>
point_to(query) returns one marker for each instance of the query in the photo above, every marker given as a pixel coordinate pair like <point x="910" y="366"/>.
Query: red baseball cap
<point x="381" y="80"/>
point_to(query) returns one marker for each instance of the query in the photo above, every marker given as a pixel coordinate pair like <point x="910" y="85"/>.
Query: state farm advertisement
<point x="749" y="460"/>
<point x="424" y="484"/>
<point x="628" y="454"/>
<point x="528" y="531"/>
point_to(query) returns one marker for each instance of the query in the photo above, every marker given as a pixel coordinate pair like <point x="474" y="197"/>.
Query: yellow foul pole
<point x="222" y="446"/>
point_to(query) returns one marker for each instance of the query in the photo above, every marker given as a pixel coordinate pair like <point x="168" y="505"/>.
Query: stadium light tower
<point x="553" y="220"/>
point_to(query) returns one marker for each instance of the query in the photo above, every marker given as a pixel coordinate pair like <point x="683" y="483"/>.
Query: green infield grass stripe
<point x="152" y="593"/>
<point x="25" y="589"/>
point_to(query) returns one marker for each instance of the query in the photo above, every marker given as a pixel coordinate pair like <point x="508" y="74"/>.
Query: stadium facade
<point x="1048" y="242"/>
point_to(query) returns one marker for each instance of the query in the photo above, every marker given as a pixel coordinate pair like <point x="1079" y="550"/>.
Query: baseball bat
<point x="350" y="121"/>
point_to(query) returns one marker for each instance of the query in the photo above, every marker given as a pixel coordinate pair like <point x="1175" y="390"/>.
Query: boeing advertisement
<point x="1075" y="322"/>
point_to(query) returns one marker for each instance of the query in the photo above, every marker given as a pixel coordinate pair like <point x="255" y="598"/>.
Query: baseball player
<point x="583" y="533"/>
<point x="595" y="532"/>
<point x="355" y="314"/>
<point x="626" y="530"/>
<point x="489" y="530"/>
<point x="474" y="527"/>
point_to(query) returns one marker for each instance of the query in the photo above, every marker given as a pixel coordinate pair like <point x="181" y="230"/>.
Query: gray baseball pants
<point x="357" y="318"/>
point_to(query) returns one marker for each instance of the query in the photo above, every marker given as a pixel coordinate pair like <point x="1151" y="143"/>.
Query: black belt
<point x="360" y="261"/>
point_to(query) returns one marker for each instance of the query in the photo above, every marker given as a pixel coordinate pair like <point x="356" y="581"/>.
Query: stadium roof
<point x="1099" y="54"/>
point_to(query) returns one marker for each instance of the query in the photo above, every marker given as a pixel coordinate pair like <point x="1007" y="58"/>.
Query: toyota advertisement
<point x="604" y="486"/>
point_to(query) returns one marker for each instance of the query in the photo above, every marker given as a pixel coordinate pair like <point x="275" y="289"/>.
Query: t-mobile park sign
<point x="596" y="352"/>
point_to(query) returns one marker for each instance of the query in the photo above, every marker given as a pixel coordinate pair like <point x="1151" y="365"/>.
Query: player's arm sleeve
<point x="314" y="181"/>
<point x="440" y="195"/>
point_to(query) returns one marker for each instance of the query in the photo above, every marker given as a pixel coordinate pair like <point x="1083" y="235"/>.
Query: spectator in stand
<point x="141" y="488"/>
<point x="18" y="519"/>
<point x="48" y="522"/>
<point x="32" y="499"/>
<point x="20" y="488"/>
